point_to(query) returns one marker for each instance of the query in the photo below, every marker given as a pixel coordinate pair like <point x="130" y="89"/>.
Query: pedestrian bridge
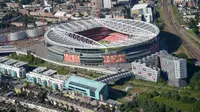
<point x="114" y="77"/>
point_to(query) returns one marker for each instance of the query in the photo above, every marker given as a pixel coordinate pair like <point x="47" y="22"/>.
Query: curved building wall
<point x="17" y="36"/>
<point x="100" y="57"/>
<point x="36" y="32"/>
<point x="2" y="38"/>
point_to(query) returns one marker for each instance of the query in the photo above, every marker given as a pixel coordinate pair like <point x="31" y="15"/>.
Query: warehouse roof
<point x="91" y="84"/>
<point x="139" y="6"/>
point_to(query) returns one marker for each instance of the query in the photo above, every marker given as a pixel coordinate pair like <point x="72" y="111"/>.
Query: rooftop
<point x="139" y="32"/>
<point x="60" y="14"/>
<point x="39" y="69"/>
<point x="60" y="77"/>
<point x="20" y="64"/>
<point x="12" y="62"/>
<point x="43" y="71"/>
<point x="86" y="82"/>
<point x="3" y="59"/>
<point x="49" y="72"/>
<point x="140" y="6"/>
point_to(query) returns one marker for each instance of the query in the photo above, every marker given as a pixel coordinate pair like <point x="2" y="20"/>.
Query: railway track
<point x="176" y="29"/>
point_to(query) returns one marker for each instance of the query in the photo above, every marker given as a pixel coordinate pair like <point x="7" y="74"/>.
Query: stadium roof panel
<point x="65" y="35"/>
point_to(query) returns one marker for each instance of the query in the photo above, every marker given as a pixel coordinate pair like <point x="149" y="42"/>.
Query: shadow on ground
<point x="173" y="42"/>
<point x="115" y="94"/>
<point x="191" y="68"/>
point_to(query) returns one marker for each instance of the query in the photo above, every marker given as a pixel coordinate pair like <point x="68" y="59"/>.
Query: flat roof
<point x="86" y="82"/>
<point x="20" y="64"/>
<point x="39" y="69"/>
<point x="139" y="6"/>
<point x="3" y="59"/>
<point x="49" y="72"/>
<point x="58" y="76"/>
<point x="10" y="62"/>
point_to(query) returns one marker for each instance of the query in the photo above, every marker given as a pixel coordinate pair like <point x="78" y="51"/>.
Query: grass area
<point x="193" y="34"/>
<point x="152" y="85"/>
<point x="194" y="107"/>
<point x="195" y="42"/>
<point x="182" y="50"/>
<point x="195" y="94"/>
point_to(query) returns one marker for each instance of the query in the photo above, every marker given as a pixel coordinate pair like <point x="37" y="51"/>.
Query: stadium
<point x="98" y="42"/>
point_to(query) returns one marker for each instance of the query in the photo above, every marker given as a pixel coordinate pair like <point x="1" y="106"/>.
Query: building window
<point x="50" y="83"/>
<point x="92" y="93"/>
<point x="61" y="86"/>
<point x="39" y="80"/>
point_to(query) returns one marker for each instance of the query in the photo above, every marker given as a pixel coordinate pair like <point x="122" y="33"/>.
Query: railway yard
<point x="174" y="27"/>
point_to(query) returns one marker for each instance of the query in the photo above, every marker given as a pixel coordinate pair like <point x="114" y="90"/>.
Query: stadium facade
<point x="98" y="42"/>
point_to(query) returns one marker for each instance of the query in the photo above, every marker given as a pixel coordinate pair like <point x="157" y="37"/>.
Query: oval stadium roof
<point x="65" y="34"/>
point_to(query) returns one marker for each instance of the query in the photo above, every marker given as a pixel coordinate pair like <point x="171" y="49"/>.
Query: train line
<point x="176" y="29"/>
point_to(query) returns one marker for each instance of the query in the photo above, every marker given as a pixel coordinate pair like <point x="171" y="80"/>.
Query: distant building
<point x="12" y="5"/>
<point x="79" y="3"/>
<point x="83" y="87"/>
<point x="46" y="78"/>
<point x="17" y="23"/>
<point x="142" y="12"/>
<point x="189" y="3"/>
<point x="96" y="4"/>
<point x="107" y="4"/>
<point x="31" y="6"/>
<point x="147" y="68"/>
<point x="178" y="1"/>
<point x="12" y="67"/>
<point x="60" y="14"/>
<point x="198" y="26"/>
<point x="192" y="3"/>
<point x="175" y="69"/>
<point x="41" y="13"/>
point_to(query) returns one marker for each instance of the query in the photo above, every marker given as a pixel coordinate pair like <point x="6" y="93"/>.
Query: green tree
<point x="182" y="55"/>
<point x="192" y="23"/>
<point x="195" y="81"/>
<point x="175" y="96"/>
<point x="27" y="19"/>
<point x="101" y="15"/>
<point x="155" y="93"/>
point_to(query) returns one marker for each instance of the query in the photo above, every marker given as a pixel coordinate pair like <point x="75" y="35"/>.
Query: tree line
<point x="144" y="102"/>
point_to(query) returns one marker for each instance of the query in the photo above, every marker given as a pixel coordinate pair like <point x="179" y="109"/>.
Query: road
<point x="174" y="27"/>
